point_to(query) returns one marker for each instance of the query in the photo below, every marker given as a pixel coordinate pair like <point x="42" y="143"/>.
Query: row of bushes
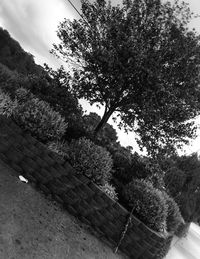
<point x="152" y="206"/>
<point x="49" y="126"/>
<point x="155" y="208"/>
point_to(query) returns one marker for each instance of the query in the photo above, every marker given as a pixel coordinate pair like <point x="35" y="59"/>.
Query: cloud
<point x="34" y="24"/>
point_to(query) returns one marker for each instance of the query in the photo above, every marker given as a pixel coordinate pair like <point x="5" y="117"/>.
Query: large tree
<point x="141" y="62"/>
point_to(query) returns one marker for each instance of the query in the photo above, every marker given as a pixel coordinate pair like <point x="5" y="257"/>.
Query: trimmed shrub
<point x="149" y="204"/>
<point x="174" y="217"/>
<point x="109" y="190"/>
<point x="91" y="160"/>
<point x="59" y="147"/>
<point x="7" y="106"/>
<point x="40" y="119"/>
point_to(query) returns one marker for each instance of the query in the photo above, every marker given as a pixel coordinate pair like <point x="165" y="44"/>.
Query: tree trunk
<point x="103" y="121"/>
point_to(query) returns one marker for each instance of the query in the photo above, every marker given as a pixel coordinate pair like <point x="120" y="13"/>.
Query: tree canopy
<point x="141" y="62"/>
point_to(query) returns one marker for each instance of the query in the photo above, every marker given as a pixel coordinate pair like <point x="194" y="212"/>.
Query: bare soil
<point x="34" y="227"/>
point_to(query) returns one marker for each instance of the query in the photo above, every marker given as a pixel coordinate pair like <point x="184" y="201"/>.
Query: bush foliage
<point x="7" y="106"/>
<point x="40" y="119"/>
<point x="109" y="190"/>
<point x="91" y="160"/>
<point x="149" y="204"/>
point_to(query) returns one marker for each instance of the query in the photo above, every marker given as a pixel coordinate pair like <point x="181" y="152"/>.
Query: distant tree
<point x="14" y="57"/>
<point x="106" y="136"/>
<point x="138" y="59"/>
<point x="182" y="181"/>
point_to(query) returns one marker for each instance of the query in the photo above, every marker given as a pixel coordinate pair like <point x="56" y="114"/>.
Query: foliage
<point x="40" y="119"/>
<point x="91" y="160"/>
<point x="108" y="134"/>
<point x="129" y="166"/>
<point x="136" y="59"/>
<point x="8" y="80"/>
<point x="53" y="87"/>
<point x="149" y="204"/>
<point x="174" y="180"/>
<point x="122" y="158"/>
<point x="14" y="57"/>
<point x="174" y="217"/>
<point x="183" y="183"/>
<point x="187" y="163"/>
<point x="22" y="95"/>
<point x="59" y="147"/>
<point x="182" y="230"/>
<point x="7" y="106"/>
<point x="109" y="190"/>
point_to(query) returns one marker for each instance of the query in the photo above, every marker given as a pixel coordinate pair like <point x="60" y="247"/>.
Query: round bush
<point x="91" y="160"/>
<point x="174" y="217"/>
<point x="149" y="204"/>
<point x="40" y="119"/>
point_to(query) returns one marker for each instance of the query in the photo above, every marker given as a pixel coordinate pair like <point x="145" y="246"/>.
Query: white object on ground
<point x="22" y="179"/>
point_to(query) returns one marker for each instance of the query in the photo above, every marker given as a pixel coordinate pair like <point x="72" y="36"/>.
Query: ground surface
<point x="33" y="227"/>
<point x="188" y="247"/>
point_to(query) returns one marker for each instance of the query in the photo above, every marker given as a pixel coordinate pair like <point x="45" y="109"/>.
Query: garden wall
<point x="76" y="193"/>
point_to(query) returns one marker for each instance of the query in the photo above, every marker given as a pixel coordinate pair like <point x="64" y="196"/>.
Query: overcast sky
<point x="33" y="23"/>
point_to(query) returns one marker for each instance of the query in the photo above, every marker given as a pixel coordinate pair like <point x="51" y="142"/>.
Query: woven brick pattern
<point x="77" y="193"/>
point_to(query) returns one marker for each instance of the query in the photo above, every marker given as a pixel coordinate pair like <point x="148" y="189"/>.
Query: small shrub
<point x="59" y="147"/>
<point x="109" y="190"/>
<point x="149" y="204"/>
<point x="174" y="217"/>
<point x="7" y="106"/>
<point x="91" y="160"/>
<point x="40" y="119"/>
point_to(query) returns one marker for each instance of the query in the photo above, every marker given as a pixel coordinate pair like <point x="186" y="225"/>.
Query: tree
<point x="14" y="57"/>
<point x="182" y="180"/>
<point x="141" y="62"/>
<point x="108" y="134"/>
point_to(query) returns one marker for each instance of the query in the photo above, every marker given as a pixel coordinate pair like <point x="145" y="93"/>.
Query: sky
<point x="33" y="23"/>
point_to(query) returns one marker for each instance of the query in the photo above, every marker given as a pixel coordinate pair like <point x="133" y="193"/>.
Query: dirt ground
<point x="33" y="227"/>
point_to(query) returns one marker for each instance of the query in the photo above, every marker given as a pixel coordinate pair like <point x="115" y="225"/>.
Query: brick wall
<point x="76" y="193"/>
